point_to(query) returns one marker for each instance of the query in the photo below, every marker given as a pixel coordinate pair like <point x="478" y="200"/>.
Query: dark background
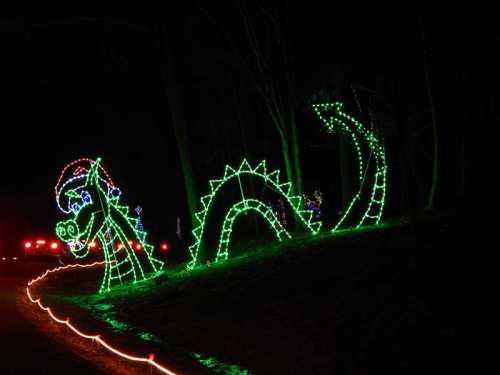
<point x="89" y="84"/>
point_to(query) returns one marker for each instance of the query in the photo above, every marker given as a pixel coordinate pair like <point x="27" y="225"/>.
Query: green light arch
<point x="333" y="117"/>
<point x="107" y="221"/>
<point x="271" y="179"/>
<point x="242" y="207"/>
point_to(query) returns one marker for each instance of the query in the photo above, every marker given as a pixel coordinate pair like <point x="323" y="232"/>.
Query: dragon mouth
<point x="78" y="248"/>
<point x="77" y="241"/>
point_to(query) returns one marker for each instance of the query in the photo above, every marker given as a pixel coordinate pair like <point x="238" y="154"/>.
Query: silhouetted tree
<point x="173" y="94"/>
<point x="275" y="84"/>
<point x="432" y="109"/>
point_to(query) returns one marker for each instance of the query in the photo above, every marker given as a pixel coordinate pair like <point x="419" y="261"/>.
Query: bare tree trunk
<point x="286" y="157"/>
<point x="408" y="205"/>
<point x="279" y="104"/>
<point x="461" y="140"/>
<point x="435" y="135"/>
<point x="463" y="165"/>
<point x="294" y="136"/>
<point x="346" y="155"/>
<point x="399" y="145"/>
<point x="294" y="141"/>
<point x="241" y="124"/>
<point x="179" y="124"/>
<point x="289" y="169"/>
<point x="346" y="171"/>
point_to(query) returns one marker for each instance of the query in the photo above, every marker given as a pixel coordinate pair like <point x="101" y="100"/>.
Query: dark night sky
<point x="91" y="85"/>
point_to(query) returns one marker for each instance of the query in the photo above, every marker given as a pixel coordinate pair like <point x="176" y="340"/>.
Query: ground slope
<point x="362" y="302"/>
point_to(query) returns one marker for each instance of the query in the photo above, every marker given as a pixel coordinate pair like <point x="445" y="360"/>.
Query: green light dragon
<point x="86" y="193"/>
<point x="372" y="164"/>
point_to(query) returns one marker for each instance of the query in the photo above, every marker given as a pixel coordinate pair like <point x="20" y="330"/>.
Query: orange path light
<point x="150" y="359"/>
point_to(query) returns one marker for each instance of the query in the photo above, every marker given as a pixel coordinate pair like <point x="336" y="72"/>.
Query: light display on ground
<point x="239" y="208"/>
<point x="272" y="181"/>
<point x="368" y="146"/>
<point x="313" y="203"/>
<point x="87" y="194"/>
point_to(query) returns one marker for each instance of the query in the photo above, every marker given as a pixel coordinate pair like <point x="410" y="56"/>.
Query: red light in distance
<point x="54" y="245"/>
<point x="40" y="242"/>
<point x="27" y="244"/>
<point x="165" y="246"/>
<point x="138" y="246"/>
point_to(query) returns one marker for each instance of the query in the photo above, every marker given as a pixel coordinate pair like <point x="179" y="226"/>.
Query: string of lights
<point x="242" y="207"/>
<point x="334" y="118"/>
<point x="272" y="180"/>
<point x="93" y="204"/>
<point x="150" y="359"/>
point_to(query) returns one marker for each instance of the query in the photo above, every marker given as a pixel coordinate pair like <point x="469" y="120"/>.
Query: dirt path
<point x="25" y="350"/>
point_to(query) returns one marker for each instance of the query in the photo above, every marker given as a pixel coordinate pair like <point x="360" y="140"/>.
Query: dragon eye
<point x="85" y="196"/>
<point x="115" y="193"/>
<point x="75" y="207"/>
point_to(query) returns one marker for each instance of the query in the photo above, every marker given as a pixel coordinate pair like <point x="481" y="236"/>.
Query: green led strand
<point x="271" y="179"/>
<point x="109" y="255"/>
<point x="378" y="151"/>
<point x="130" y="260"/>
<point x="105" y="279"/>
<point x="347" y="212"/>
<point x="349" y="125"/>
<point x="359" y="154"/>
<point x="131" y="256"/>
<point x="105" y="212"/>
<point x="330" y="125"/>
<point x="115" y="268"/>
<point x="242" y="207"/>
<point x="140" y="236"/>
